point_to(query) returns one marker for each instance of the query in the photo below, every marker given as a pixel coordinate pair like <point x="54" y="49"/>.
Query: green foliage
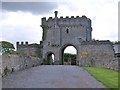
<point x="68" y="55"/>
<point x="108" y="77"/>
<point x="6" y="47"/>
<point x="14" y="52"/>
<point x="38" y="51"/>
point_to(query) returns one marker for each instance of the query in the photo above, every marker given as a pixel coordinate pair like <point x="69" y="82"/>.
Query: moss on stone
<point x="45" y="29"/>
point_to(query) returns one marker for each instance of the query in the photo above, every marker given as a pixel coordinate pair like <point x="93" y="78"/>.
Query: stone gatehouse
<point x="58" y="33"/>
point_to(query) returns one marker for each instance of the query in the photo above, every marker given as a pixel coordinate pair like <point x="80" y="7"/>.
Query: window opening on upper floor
<point x="67" y="30"/>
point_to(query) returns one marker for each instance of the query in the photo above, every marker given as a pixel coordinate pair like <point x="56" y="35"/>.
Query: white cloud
<point x="21" y="26"/>
<point x="24" y="26"/>
<point x="70" y="49"/>
<point x="103" y="13"/>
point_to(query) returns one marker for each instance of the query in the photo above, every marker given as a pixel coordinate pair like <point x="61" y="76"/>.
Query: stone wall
<point x="98" y="54"/>
<point x="15" y="62"/>
<point x="117" y="47"/>
<point x="29" y="49"/>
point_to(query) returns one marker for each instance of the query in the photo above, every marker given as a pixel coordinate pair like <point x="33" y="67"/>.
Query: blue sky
<point x="20" y="21"/>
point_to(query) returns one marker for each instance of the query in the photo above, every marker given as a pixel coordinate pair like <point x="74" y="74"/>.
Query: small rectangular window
<point x="67" y="30"/>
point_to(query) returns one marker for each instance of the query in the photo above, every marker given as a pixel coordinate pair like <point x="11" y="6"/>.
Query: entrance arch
<point x="72" y="62"/>
<point x="69" y="55"/>
<point x="50" y="57"/>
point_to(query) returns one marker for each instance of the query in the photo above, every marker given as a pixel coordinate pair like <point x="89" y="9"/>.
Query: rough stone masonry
<point x="58" y="33"/>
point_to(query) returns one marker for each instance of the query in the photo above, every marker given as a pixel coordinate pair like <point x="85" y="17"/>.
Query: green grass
<point x="108" y="77"/>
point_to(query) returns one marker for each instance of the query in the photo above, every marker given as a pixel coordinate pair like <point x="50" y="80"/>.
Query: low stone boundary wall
<point x="11" y="63"/>
<point x="103" y="63"/>
<point x="98" y="54"/>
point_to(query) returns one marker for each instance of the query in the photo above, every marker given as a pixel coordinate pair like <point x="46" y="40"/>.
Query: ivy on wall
<point x="39" y="52"/>
<point x="45" y="29"/>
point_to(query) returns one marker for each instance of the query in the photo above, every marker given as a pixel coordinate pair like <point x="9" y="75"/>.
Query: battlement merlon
<point x="70" y="21"/>
<point x="22" y="43"/>
<point x="43" y="21"/>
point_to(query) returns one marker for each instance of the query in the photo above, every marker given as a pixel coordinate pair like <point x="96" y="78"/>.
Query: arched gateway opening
<point x="50" y="58"/>
<point x="69" y="55"/>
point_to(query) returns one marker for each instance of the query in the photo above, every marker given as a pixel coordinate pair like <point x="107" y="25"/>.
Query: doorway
<point x="50" y="59"/>
<point x="69" y="55"/>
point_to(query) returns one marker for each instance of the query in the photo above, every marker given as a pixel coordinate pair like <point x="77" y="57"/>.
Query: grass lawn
<point x="108" y="77"/>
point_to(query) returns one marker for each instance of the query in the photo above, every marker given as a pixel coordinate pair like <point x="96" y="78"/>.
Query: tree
<point x="6" y="47"/>
<point x="68" y="55"/>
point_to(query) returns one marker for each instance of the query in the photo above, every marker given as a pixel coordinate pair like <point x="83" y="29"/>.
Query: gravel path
<point x="52" y="76"/>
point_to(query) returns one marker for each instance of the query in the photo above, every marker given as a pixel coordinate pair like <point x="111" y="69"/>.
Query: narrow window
<point x="67" y="30"/>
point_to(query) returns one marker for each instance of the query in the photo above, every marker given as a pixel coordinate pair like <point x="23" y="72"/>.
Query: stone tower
<point x="59" y="33"/>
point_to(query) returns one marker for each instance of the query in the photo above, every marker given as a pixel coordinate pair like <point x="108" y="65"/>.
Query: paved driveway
<point x="52" y="76"/>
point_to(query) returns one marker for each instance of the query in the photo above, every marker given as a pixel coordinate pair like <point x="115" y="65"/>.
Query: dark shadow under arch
<point x="49" y="59"/>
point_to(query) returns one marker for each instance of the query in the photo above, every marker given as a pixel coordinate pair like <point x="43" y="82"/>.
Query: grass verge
<point x="108" y="77"/>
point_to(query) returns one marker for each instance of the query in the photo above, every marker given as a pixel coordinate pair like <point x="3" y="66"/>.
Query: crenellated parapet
<point x="29" y="49"/>
<point x="22" y="46"/>
<point x="26" y="45"/>
<point x="96" y="42"/>
<point x="22" y="43"/>
<point x="67" y="21"/>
